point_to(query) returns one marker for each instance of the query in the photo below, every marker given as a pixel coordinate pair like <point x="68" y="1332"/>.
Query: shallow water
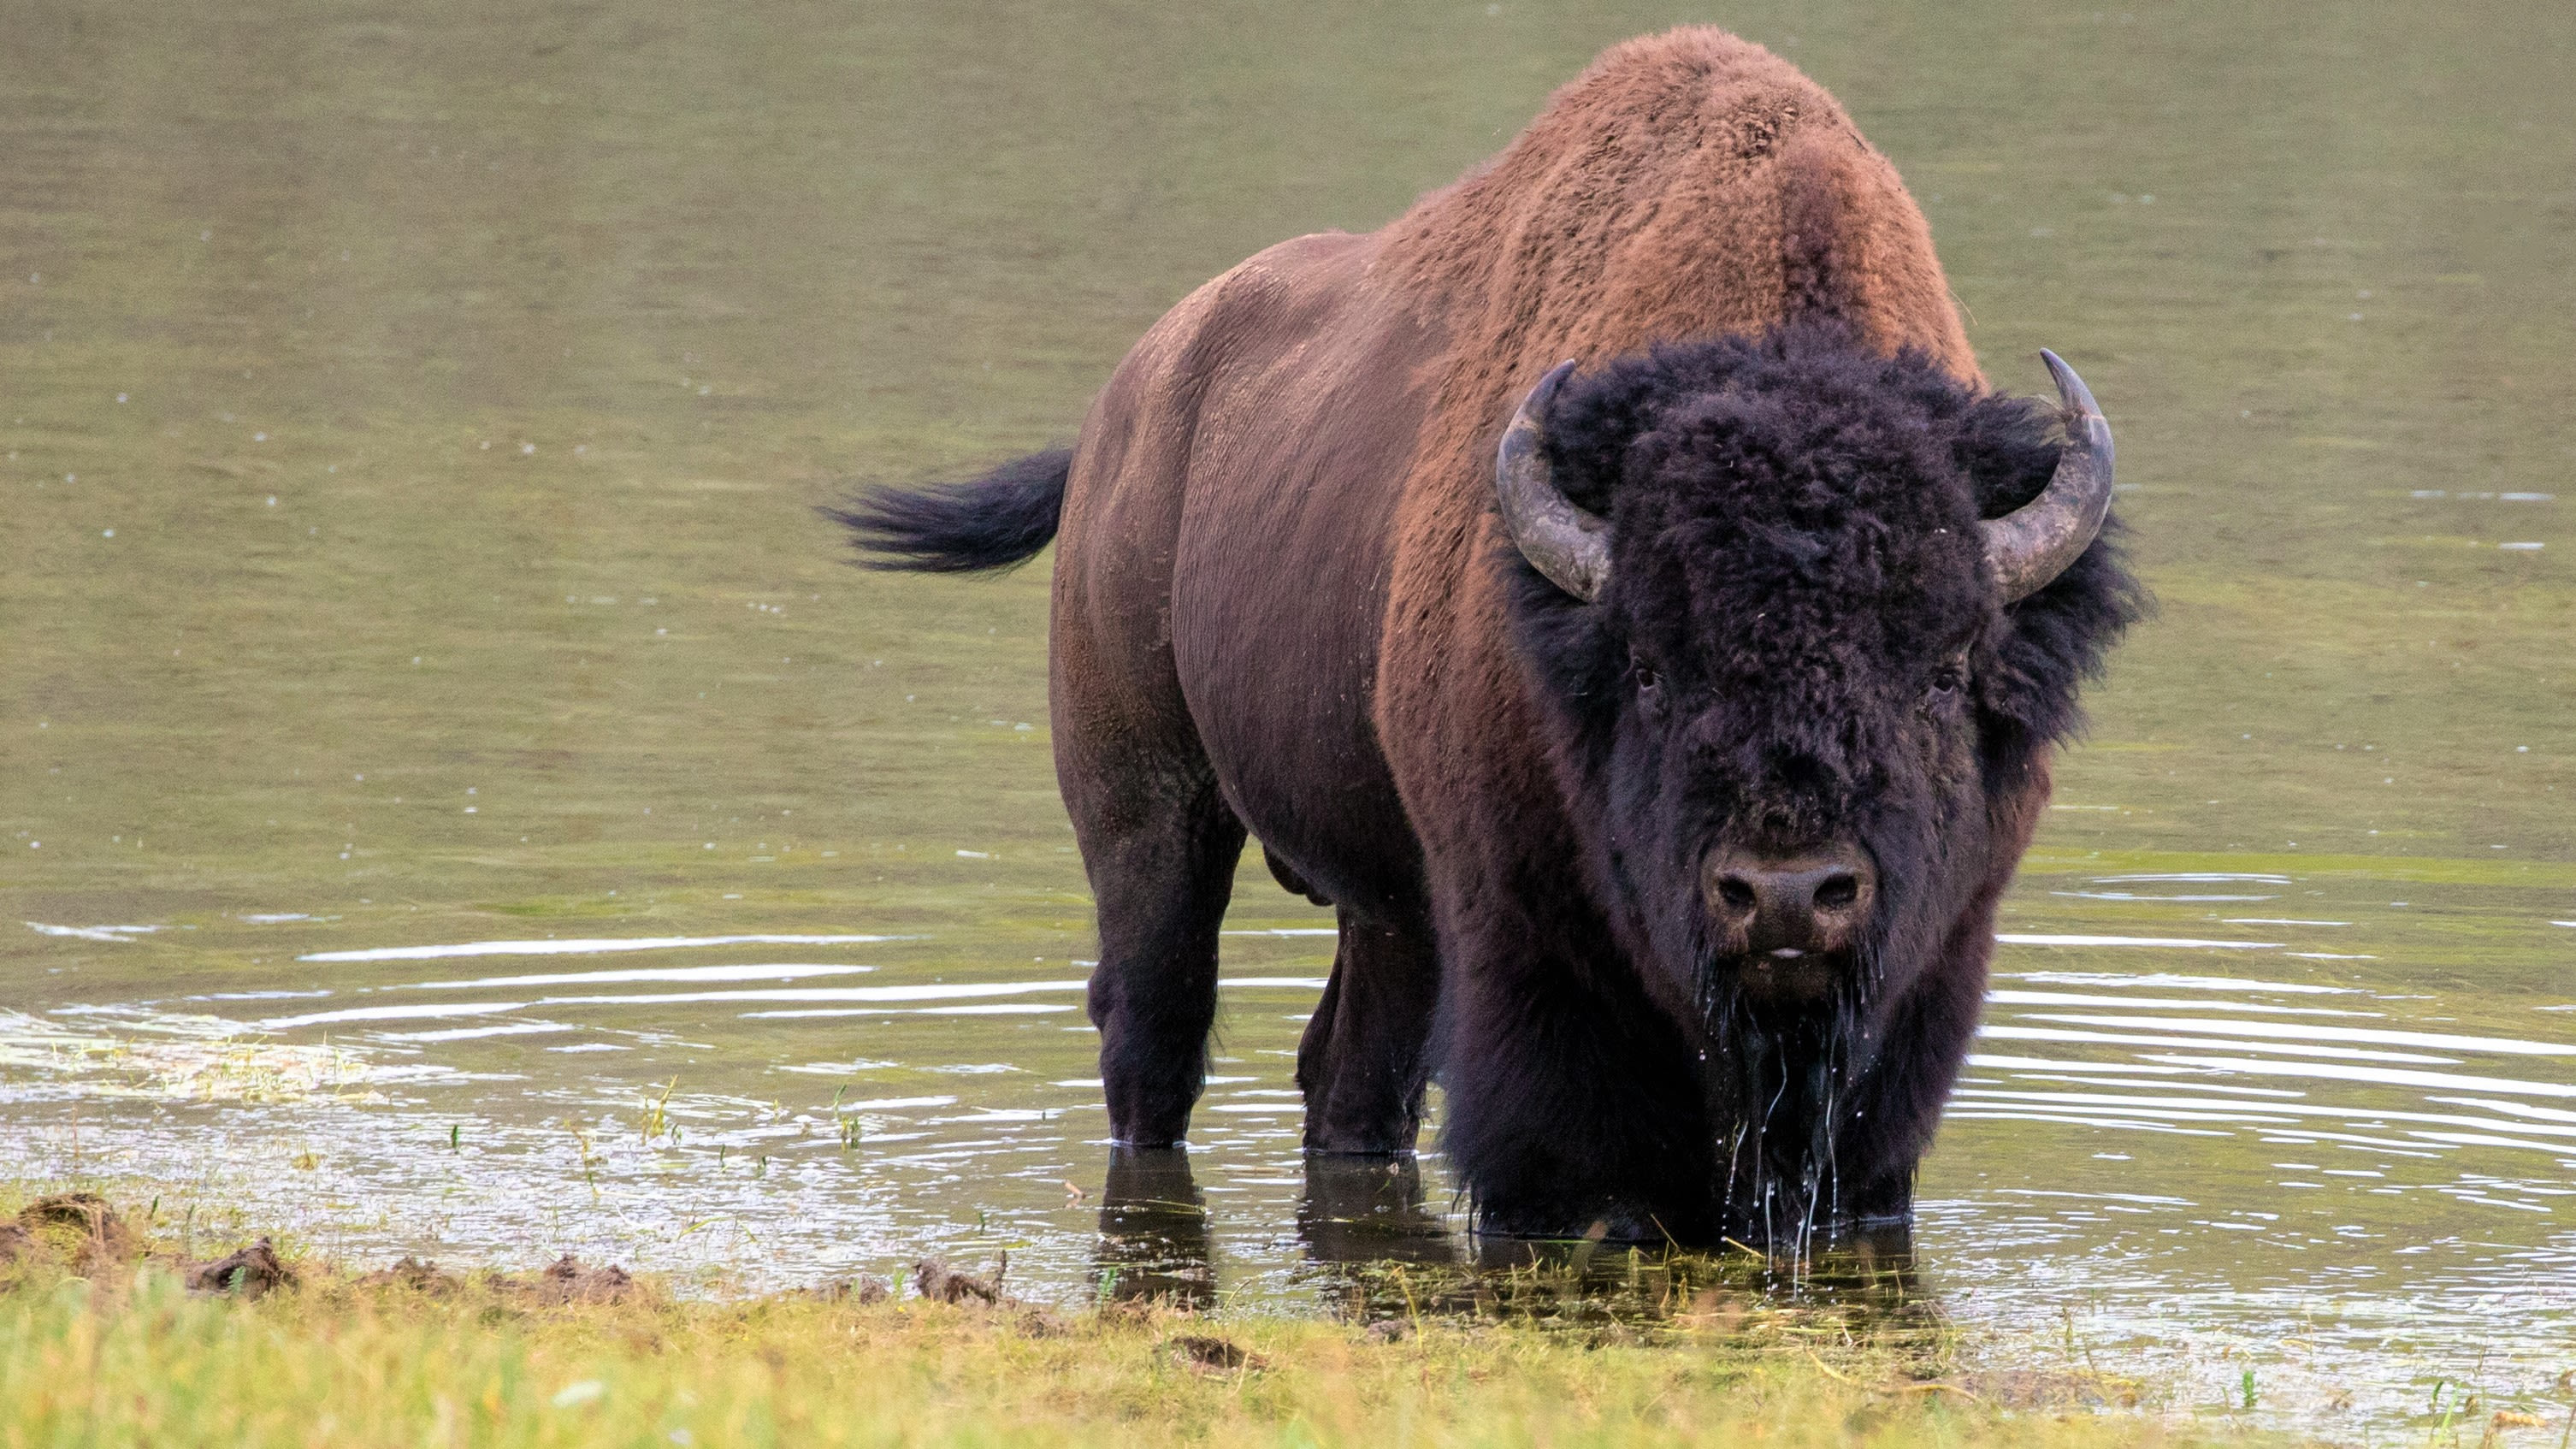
<point x="458" y="801"/>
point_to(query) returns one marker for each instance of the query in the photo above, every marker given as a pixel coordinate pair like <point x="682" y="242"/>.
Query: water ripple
<point x="582" y="947"/>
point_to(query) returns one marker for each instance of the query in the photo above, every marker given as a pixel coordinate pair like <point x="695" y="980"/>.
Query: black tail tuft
<point x="992" y="522"/>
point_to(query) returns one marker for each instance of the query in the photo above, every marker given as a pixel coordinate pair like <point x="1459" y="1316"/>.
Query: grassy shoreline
<point x="104" y="1341"/>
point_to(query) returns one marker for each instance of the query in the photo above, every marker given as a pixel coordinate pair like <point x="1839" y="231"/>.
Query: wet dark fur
<point x="1795" y="567"/>
<point x="993" y="522"/>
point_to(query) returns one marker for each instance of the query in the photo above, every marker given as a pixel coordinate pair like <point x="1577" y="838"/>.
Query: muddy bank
<point x="84" y="1235"/>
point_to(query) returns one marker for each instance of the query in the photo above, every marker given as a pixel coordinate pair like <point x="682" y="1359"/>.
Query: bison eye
<point x="1947" y="682"/>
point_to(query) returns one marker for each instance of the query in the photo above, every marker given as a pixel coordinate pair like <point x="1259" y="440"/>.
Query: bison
<point x="1662" y="725"/>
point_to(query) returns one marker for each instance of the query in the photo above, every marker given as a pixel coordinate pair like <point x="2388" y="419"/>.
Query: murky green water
<point x="413" y="418"/>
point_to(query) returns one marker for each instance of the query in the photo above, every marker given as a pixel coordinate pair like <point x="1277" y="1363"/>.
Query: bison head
<point x="1807" y="618"/>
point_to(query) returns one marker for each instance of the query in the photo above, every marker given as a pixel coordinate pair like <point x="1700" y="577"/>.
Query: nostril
<point x="1837" y="891"/>
<point x="1736" y="893"/>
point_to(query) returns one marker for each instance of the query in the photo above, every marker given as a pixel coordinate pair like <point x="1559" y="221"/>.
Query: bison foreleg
<point x="1570" y="1111"/>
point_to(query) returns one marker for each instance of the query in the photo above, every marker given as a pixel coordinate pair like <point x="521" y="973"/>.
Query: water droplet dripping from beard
<point x="1775" y="1084"/>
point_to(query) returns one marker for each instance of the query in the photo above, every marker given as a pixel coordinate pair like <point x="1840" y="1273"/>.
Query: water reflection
<point x="1864" y="1286"/>
<point x="1357" y="1213"/>
<point x="1375" y="1252"/>
<point x="1154" y="1244"/>
<point x="1370" y="1210"/>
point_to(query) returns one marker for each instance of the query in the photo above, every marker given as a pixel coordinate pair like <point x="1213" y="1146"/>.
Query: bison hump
<point x="1688" y="184"/>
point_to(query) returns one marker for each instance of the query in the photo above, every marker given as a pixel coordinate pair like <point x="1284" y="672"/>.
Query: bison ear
<point x="1590" y="429"/>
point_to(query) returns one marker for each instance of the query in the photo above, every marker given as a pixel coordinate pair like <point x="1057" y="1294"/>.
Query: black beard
<point x="1777" y="1097"/>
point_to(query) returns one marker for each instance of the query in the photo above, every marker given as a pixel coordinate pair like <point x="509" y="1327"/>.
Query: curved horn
<point x="2034" y="543"/>
<point x="1571" y="547"/>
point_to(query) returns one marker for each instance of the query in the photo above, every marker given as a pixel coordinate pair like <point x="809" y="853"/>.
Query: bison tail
<point x="992" y="522"/>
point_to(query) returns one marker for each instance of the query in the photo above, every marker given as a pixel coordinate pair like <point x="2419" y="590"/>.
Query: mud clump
<point x="85" y="1212"/>
<point x="1042" y="1323"/>
<point x="250" y="1272"/>
<point x="411" y="1275"/>
<point x="85" y="1230"/>
<point x="81" y="1226"/>
<point x="564" y="1282"/>
<point x="1145" y="1309"/>
<point x="567" y="1281"/>
<point x="936" y="1281"/>
<point x="865" y="1290"/>
<point x="1210" y="1354"/>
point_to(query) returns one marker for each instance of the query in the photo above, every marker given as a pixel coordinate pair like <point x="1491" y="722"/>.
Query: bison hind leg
<point x="1160" y="876"/>
<point x="1365" y="1059"/>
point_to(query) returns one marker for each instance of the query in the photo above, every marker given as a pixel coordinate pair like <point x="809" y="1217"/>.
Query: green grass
<point x="109" y="1348"/>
